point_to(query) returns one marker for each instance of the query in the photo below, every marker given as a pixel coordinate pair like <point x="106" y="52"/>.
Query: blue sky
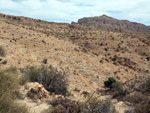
<point x="72" y="10"/>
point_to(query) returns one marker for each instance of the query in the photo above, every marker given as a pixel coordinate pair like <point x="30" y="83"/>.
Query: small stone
<point x="4" y="62"/>
<point x="45" y="61"/>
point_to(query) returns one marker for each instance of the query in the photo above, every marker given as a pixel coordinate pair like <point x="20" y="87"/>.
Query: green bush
<point x="9" y="83"/>
<point x="53" y="80"/>
<point x="109" y="82"/>
<point x="117" y="90"/>
<point x="2" y="51"/>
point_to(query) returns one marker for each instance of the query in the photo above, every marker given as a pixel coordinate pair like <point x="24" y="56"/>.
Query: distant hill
<point x="106" y="22"/>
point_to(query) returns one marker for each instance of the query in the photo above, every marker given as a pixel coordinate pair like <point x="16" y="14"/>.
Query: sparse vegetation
<point x="140" y="98"/>
<point x="9" y="83"/>
<point x="146" y="85"/>
<point x="66" y="106"/>
<point x="53" y="80"/>
<point x="140" y="102"/>
<point x="93" y="106"/>
<point x="97" y="106"/>
<point x="136" y="97"/>
<point x="128" y="51"/>
<point x="118" y="90"/>
<point x="143" y="107"/>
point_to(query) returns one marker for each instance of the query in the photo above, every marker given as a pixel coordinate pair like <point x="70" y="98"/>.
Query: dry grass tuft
<point x="2" y="51"/>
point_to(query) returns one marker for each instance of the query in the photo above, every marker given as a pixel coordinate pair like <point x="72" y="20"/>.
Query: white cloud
<point x="72" y="10"/>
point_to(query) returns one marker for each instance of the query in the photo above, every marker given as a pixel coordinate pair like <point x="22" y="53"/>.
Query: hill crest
<point x="106" y="22"/>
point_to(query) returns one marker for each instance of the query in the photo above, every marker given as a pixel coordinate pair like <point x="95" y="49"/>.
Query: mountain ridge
<point x="106" y="22"/>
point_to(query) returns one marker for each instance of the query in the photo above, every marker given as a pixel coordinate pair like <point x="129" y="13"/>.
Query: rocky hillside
<point x="88" y="54"/>
<point x="80" y="49"/>
<point x="106" y="22"/>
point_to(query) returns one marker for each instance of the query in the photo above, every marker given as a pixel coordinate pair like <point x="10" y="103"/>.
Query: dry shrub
<point x="136" y="97"/>
<point x="118" y="90"/>
<point x="140" y="101"/>
<point x="2" y="51"/>
<point x="53" y="80"/>
<point x="9" y="83"/>
<point x="142" y="107"/>
<point x="66" y="106"/>
<point x="94" y="105"/>
<point x="146" y="85"/>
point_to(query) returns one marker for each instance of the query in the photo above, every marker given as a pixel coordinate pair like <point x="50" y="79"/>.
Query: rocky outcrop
<point x="37" y="90"/>
<point x="106" y="22"/>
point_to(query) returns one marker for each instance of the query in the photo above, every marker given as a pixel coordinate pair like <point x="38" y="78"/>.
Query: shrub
<point x="53" y="80"/>
<point x="61" y="105"/>
<point x="9" y="83"/>
<point x="140" y="101"/>
<point x="98" y="106"/>
<point x="146" y="85"/>
<point x="118" y="90"/>
<point x="2" y="51"/>
<point x="109" y="82"/>
<point x="129" y="111"/>
<point x="66" y="106"/>
<point x="142" y="107"/>
<point x="136" y="97"/>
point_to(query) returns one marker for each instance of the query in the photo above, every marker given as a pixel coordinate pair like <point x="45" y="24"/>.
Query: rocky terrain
<point x="88" y="54"/>
<point x="106" y="22"/>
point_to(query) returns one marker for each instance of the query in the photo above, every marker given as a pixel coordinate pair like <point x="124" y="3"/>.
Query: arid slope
<point x="88" y="54"/>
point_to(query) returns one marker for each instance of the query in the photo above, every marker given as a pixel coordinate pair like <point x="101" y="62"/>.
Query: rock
<point x="106" y="97"/>
<point x="121" y="107"/>
<point x="36" y="90"/>
<point x="73" y="22"/>
<point x="77" y="90"/>
<point x="85" y="93"/>
<point x="45" y="61"/>
<point x="33" y="94"/>
<point x="4" y="62"/>
<point x="44" y="41"/>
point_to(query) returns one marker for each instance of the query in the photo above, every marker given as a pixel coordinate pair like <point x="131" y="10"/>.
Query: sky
<point x="72" y="10"/>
